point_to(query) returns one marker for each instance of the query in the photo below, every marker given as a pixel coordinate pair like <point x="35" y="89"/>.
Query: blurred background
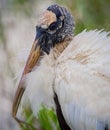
<point x="18" y="19"/>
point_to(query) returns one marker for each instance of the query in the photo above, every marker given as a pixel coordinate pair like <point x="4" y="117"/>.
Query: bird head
<point x="55" y="24"/>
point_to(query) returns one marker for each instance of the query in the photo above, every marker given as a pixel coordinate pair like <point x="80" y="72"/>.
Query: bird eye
<point x="53" y="26"/>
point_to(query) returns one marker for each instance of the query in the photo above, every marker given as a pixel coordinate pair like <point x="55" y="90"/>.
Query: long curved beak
<point x="31" y="62"/>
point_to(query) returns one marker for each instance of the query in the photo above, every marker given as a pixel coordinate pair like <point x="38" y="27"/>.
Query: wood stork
<point x="68" y="73"/>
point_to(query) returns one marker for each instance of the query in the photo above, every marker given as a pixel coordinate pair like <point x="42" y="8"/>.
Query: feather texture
<point x="80" y="76"/>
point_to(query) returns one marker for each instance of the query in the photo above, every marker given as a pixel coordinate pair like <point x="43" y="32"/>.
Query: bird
<point x="69" y="73"/>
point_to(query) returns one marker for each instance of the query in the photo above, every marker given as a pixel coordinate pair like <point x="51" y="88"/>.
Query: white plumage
<point x="80" y="76"/>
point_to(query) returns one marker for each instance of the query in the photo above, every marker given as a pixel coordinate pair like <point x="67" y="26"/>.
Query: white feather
<point x="81" y="78"/>
<point x="83" y="83"/>
<point x="39" y="85"/>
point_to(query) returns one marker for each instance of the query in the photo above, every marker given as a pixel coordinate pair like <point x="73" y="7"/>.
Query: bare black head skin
<point x="58" y="30"/>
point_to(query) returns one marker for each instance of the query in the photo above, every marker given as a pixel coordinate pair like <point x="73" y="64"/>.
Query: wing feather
<point x="83" y="81"/>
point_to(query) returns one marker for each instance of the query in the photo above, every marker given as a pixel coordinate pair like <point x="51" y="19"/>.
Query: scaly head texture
<point x="54" y="26"/>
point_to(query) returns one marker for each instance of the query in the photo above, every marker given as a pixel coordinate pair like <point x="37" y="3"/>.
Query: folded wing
<point x="83" y="81"/>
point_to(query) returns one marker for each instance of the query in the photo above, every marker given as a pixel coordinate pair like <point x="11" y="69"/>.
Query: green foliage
<point x="22" y="6"/>
<point x="48" y="119"/>
<point x="90" y="14"/>
<point x="2" y="36"/>
<point x="29" y="119"/>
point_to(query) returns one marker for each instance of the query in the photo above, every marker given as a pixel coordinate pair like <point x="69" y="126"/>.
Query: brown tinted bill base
<point x="31" y="62"/>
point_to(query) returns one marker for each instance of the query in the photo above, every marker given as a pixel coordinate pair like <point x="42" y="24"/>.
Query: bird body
<point x="76" y="69"/>
<point x="80" y="76"/>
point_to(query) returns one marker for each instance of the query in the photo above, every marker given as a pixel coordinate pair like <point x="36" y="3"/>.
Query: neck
<point x="56" y="51"/>
<point x="60" y="47"/>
